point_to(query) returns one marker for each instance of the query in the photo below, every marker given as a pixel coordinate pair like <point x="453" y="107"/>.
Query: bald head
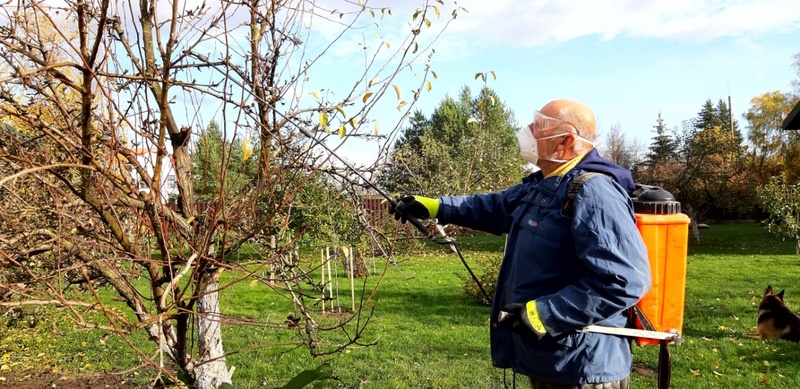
<point x="577" y="114"/>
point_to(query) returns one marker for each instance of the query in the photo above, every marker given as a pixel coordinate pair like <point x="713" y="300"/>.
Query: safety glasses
<point x="542" y="122"/>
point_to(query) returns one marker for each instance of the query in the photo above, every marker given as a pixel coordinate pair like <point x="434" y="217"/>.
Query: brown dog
<point x="775" y="319"/>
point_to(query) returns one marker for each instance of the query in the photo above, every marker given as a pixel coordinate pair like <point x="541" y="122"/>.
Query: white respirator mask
<point x="528" y="148"/>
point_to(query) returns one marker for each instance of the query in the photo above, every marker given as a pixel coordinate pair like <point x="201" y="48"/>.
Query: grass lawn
<point x="428" y="334"/>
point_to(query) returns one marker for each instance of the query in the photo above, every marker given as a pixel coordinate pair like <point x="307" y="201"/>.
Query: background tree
<point x="618" y="148"/>
<point x="221" y="168"/>
<point x="466" y="146"/>
<point x="781" y="201"/>
<point x="709" y="174"/>
<point x="660" y="162"/>
<point x="772" y="149"/>
<point x="82" y="80"/>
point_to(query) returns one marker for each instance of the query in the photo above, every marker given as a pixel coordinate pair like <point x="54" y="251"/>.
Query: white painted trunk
<point x="211" y="369"/>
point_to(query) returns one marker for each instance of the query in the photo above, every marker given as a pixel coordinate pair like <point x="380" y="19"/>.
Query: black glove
<point x="523" y="319"/>
<point x="417" y="207"/>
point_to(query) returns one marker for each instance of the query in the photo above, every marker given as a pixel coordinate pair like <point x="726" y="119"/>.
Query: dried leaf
<point x="366" y="97"/>
<point x="398" y="91"/>
<point x="340" y="109"/>
<point x="373" y="81"/>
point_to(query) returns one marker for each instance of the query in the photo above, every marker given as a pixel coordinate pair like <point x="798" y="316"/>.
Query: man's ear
<point x="567" y="143"/>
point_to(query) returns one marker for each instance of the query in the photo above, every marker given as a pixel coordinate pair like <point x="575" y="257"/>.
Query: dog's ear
<point x="768" y="291"/>
<point x="780" y="295"/>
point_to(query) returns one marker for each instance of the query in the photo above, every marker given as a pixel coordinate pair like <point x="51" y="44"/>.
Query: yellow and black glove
<point x="523" y="318"/>
<point x="417" y="207"/>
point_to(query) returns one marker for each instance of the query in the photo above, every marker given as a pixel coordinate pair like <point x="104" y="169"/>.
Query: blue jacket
<point x="583" y="269"/>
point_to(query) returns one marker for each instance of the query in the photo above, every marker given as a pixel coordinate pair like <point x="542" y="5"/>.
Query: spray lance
<point x="442" y="237"/>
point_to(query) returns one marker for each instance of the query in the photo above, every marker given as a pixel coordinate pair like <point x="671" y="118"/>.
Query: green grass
<point x="428" y="334"/>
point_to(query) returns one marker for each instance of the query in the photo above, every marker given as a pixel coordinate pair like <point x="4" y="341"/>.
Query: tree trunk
<point x="797" y="247"/>
<point x="211" y="371"/>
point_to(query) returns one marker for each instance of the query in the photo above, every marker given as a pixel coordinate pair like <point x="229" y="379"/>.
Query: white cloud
<point x="547" y="22"/>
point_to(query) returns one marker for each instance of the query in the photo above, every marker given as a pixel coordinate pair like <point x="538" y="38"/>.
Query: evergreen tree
<point x="467" y="145"/>
<point x="663" y="146"/>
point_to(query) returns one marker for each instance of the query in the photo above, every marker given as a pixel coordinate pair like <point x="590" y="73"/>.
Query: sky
<point x="628" y="60"/>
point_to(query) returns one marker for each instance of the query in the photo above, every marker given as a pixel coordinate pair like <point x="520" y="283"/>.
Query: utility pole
<point x="730" y="112"/>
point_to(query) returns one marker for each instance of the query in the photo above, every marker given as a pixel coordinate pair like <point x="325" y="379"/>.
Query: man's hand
<point x="523" y="318"/>
<point x="417" y="207"/>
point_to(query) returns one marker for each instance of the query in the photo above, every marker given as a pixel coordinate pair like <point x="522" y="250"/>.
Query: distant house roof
<point x="792" y="121"/>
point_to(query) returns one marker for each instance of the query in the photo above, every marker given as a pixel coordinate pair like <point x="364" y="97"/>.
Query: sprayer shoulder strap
<point x="574" y="187"/>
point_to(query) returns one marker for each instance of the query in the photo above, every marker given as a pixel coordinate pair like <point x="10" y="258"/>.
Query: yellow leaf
<point x="247" y="150"/>
<point x="366" y="97"/>
<point x="315" y="94"/>
<point x="353" y="122"/>
<point x="492" y="99"/>
<point x="494" y="76"/>
<point x="416" y="46"/>
<point x="472" y="120"/>
<point x="398" y="91"/>
<point x="4" y="368"/>
<point x="376" y="128"/>
<point x="340" y="109"/>
<point x="386" y="44"/>
<point x="253" y="283"/>
<point x="428" y="86"/>
<point x="436" y="9"/>
<point x="401" y="104"/>
<point x="373" y="81"/>
<point x="323" y="119"/>
<point x="342" y="131"/>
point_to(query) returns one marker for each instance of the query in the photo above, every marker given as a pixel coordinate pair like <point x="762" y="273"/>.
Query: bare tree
<point x="98" y="101"/>
<point x="619" y="149"/>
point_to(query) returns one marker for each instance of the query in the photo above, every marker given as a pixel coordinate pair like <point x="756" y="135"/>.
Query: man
<point x="561" y="271"/>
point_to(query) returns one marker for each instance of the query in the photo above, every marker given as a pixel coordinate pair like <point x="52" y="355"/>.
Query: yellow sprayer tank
<point x="666" y="233"/>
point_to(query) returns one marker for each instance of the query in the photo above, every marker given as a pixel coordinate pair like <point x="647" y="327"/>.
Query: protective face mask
<point x="528" y="147"/>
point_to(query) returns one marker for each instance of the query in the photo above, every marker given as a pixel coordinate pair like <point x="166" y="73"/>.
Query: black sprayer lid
<point x="653" y="200"/>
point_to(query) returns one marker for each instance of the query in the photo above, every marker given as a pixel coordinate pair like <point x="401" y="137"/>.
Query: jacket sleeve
<point x="484" y="212"/>
<point x="616" y="270"/>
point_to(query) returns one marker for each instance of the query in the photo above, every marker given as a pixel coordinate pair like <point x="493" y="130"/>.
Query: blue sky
<point x="628" y="60"/>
